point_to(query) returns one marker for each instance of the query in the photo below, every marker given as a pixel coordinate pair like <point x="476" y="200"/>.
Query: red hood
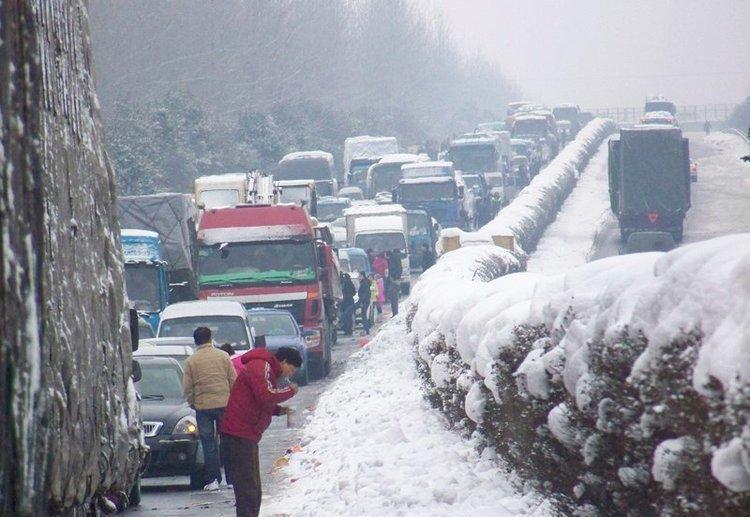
<point x="262" y="354"/>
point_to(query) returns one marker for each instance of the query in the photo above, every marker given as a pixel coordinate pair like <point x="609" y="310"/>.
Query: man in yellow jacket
<point x="207" y="381"/>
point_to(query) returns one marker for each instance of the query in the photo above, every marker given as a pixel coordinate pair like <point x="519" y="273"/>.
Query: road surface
<point x="171" y="496"/>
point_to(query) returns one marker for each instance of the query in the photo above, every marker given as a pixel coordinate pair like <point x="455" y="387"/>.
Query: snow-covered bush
<point x="623" y="385"/>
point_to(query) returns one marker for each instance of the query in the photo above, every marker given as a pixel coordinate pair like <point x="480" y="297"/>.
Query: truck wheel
<point x="135" y="492"/>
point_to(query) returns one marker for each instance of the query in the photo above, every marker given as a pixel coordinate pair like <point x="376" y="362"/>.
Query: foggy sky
<point x="611" y="53"/>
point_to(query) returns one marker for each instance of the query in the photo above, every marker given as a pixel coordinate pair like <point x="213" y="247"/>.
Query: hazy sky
<point x="612" y="53"/>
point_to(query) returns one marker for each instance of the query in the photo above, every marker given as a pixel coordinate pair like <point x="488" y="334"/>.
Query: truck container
<point x="362" y="151"/>
<point x="145" y="273"/>
<point x="649" y="180"/>
<point x="381" y="228"/>
<point x="268" y="256"/>
<point x="310" y="165"/>
<point x="173" y="217"/>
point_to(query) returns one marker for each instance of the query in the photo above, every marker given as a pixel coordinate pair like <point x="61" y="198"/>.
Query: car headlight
<point x="312" y="340"/>
<point x="186" y="425"/>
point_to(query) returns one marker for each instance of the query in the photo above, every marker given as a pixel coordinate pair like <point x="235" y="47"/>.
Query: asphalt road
<point x="171" y="496"/>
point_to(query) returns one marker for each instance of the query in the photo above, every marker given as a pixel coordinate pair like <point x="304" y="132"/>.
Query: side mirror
<point x="260" y="341"/>
<point x="137" y="374"/>
<point x="134" y="329"/>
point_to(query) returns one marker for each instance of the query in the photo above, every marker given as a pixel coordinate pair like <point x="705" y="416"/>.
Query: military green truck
<point x="649" y="180"/>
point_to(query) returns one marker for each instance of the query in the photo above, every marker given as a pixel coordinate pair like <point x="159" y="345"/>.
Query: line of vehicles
<point x="258" y="257"/>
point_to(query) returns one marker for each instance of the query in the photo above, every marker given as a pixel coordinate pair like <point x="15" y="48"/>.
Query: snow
<point x="204" y="308"/>
<point x="379" y="223"/>
<point x="309" y="155"/>
<point x="368" y="210"/>
<point x="730" y="464"/>
<point x="374" y="447"/>
<point x="668" y="461"/>
<point x="365" y="146"/>
<point x="402" y="158"/>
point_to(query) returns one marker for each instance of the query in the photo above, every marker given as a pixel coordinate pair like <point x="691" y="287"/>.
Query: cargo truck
<point x="310" y="165"/>
<point x="362" y="151"/>
<point x="649" y="180"/>
<point x="381" y="228"/>
<point x="145" y="273"/>
<point x="268" y="256"/>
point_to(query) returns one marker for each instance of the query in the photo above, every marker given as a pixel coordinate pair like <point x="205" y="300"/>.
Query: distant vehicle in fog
<point x="362" y="151"/>
<point x="660" y="104"/>
<point x="353" y="193"/>
<point x="383" y="176"/>
<point x="659" y="117"/>
<point x="649" y="180"/>
<point x="310" y="165"/>
<point x="570" y="113"/>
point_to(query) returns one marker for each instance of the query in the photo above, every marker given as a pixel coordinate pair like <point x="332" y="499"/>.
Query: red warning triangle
<point x="652" y="217"/>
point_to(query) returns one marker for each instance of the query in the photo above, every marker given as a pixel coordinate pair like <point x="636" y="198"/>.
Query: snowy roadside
<point x="568" y="242"/>
<point x="375" y="447"/>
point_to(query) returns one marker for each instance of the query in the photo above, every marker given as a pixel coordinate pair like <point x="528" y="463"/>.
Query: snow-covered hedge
<point x="536" y="206"/>
<point x="623" y="385"/>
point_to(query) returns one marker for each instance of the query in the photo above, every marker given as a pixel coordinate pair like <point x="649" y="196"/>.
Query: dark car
<point x="280" y="329"/>
<point x="169" y="425"/>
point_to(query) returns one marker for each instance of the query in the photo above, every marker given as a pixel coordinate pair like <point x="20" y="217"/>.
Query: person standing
<point x="254" y="400"/>
<point x="207" y="381"/>
<point x="347" y="305"/>
<point x="393" y="291"/>
<point x="395" y="269"/>
<point x="364" y="301"/>
<point x="428" y="259"/>
<point x="380" y="265"/>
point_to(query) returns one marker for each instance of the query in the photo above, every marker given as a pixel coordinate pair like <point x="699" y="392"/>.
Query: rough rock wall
<point x="68" y="419"/>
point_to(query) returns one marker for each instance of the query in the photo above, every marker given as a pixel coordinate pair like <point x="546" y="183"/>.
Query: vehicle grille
<point x="296" y="307"/>
<point x="151" y="428"/>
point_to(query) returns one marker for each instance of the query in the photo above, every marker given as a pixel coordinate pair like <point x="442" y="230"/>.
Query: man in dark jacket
<point x="347" y="305"/>
<point x="395" y="270"/>
<point x="253" y="401"/>
<point x="364" y="300"/>
<point x="428" y="259"/>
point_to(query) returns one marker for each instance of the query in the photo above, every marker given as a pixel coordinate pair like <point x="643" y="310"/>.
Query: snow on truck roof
<point x="203" y="308"/>
<point x="308" y="155"/>
<point x="427" y="179"/>
<point x="374" y="210"/>
<point x="401" y="158"/>
<point x="378" y="223"/>
<point x="219" y="179"/>
<point x="248" y="223"/>
<point x="475" y="139"/>
<point x="650" y="127"/>
<point x="428" y="165"/>
<point x="530" y="116"/>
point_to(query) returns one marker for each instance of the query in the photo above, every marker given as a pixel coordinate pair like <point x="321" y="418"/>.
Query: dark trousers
<point x="209" y="421"/>
<point x="394" y="305"/>
<point x="365" y="315"/>
<point x="347" y="317"/>
<point x="244" y="467"/>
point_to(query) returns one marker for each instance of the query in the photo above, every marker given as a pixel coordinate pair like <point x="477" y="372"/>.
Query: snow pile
<point x="375" y="447"/>
<point x="537" y="205"/>
<point x="623" y="383"/>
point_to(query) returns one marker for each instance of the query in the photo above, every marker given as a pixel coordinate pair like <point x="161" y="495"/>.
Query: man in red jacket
<point x="254" y="399"/>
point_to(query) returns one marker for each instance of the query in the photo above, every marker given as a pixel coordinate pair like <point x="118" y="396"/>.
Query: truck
<point x="173" y="217"/>
<point x="444" y="197"/>
<point x="536" y="127"/>
<point x="222" y="190"/>
<point x="423" y="229"/>
<point x="301" y="192"/>
<point x="381" y="228"/>
<point x="146" y="280"/>
<point x="360" y="152"/>
<point x="649" y="180"/>
<point x="310" y="165"/>
<point x="479" y="153"/>
<point x="268" y="256"/>
<point x="383" y="176"/>
<point x="570" y="113"/>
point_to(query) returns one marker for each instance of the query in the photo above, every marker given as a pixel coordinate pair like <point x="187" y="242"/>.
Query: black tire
<point x="315" y="367"/>
<point x="135" y="492"/>
<point x="197" y="480"/>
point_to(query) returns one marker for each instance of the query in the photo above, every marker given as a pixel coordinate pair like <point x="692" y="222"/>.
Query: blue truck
<point x="443" y="197"/>
<point x="146" y="278"/>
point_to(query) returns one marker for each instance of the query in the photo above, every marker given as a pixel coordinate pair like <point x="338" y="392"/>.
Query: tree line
<point x="190" y="87"/>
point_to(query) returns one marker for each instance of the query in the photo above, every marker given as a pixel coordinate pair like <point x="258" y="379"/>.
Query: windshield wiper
<point x="152" y="397"/>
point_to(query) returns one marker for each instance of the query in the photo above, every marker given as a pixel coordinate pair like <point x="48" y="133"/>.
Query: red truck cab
<point x="268" y="256"/>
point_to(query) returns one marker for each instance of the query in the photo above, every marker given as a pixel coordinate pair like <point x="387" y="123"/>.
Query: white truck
<point x="380" y="228"/>
<point x="362" y="151"/>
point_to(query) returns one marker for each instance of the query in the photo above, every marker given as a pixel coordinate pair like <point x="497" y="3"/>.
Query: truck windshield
<point x="142" y="285"/>
<point x="494" y="180"/>
<point x="297" y="195"/>
<point x="219" y="198"/>
<point x="419" y="224"/>
<point x="535" y="127"/>
<point x="358" y="174"/>
<point x="224" y="329"/>
<point x="442" y="191"/>
<point x="305" y="169"/>
<point x="474" y="158"/>
<point x="381" y="242"/>
<point x="329" y="212"/>
<point x="385" y="177"/>
<point x="282" y="262"/>
<point x="566" y="113"/>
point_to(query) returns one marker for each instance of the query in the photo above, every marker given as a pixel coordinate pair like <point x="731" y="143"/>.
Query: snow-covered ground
<point x="375" y="447"/>
<point x="569" y="241"/>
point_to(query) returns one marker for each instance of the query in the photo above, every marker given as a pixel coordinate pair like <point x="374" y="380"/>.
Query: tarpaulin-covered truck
<point x="173" y="217"/>
<point x="649" y="180"/>
<point x="362" y="151"/>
